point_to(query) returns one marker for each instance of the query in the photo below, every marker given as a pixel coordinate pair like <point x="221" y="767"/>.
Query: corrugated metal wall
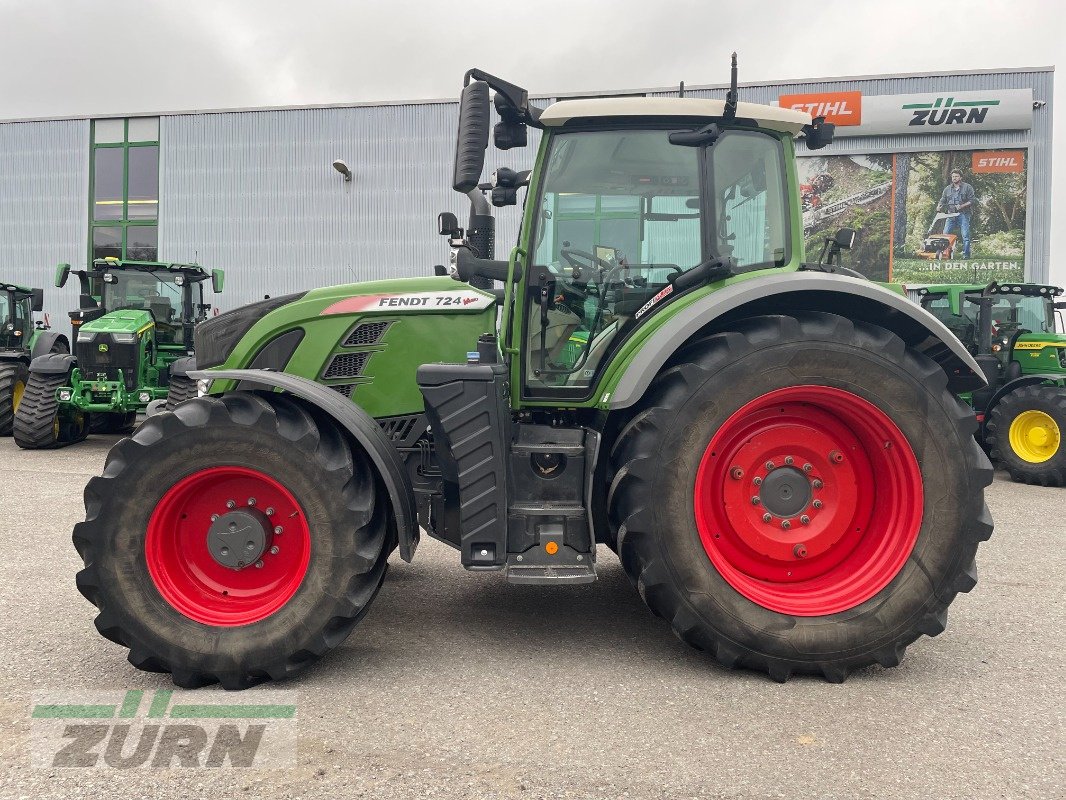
<point x="44" y="191"/>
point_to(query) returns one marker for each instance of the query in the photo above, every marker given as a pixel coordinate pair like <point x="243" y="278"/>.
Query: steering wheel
<point x="573" y="257"/>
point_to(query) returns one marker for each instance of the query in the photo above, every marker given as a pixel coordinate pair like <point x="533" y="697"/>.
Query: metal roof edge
<point x="537" y="96"/>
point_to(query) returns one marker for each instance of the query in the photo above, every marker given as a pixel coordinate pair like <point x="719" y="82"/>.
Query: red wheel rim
<point x="809" y="500"/>
<point x="181" y="562"/>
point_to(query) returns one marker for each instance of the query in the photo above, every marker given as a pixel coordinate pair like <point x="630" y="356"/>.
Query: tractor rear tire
<point x="165" y="595"/>
<point x="180" y="389"/>
<point x="113" y="422"/>
<point x="14" y="375"/>
<point x="1026" y="435"/>
<point x="38" y="424"/>
<point x="834" y="427"/>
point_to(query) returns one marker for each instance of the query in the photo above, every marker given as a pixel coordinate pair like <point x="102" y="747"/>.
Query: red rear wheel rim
<point x="809" y="500"/>
<point x="190" y="578"/>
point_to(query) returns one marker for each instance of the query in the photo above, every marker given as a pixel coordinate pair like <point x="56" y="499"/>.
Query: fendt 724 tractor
<point x="133" y="340"/>
<point x="1010" y="329"/>
<point x="775" y="451"/>
<point x="21" y="339"/>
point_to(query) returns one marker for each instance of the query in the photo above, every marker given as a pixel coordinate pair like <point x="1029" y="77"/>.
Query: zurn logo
<point x="948" y="111"/>
<point x="163" y="730"/>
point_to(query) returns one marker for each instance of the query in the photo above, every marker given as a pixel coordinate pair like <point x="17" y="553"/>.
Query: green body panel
<point x="1041" y="353"/>
<point x="416" y="335"/>
<point x="610" y="375"/>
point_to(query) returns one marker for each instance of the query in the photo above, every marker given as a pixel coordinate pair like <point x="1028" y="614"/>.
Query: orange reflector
<point x="551" y="548"/>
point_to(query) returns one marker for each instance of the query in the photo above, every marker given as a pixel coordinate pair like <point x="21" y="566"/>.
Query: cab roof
<point x="113" y="263"/>
<point x="14" y="287"/>
<point x="774" y="118"/>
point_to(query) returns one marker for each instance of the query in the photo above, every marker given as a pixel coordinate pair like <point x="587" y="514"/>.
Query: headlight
<point x="64" y="395"/>
<point x="124" y="338"/>
<point x="85" y="336"/>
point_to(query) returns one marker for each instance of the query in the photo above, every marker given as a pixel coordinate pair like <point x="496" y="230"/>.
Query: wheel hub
<point x="785" y="492"/>
<point x="238" y="539"/>
<point x="1034" y="436"/>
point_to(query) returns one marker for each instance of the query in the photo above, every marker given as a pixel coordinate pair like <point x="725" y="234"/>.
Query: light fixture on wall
<point x="343" y="169"/>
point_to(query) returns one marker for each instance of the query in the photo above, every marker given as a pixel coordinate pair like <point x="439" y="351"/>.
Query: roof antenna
<point x="681" y="90"/>
<point x="730" y="112"/>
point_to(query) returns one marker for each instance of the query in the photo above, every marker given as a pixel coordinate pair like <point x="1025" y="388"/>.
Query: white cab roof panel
<point x="772" y="117"/>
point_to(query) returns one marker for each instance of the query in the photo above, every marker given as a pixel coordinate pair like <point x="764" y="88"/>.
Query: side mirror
<point x="218" y="280"/>
<point x="510" y="131"/>
<point x="1061" y="306"/>
<point x="37" y="299"/>
<point x="447" y="224"/>
<point x="844" y="238"/>
<point x="819" y="133"/>
<point x="473" y="136"/>
<point x="62" y="273"/>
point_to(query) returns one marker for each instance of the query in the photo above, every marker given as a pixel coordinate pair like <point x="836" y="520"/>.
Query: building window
<point x="124" y="189"/>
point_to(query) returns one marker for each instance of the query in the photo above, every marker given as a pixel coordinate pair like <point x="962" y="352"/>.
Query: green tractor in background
<point x="21" y="340"/>
<point x="133" y="346"/>
<point x="775" y="450"/>
<point x="1010" y="329"/>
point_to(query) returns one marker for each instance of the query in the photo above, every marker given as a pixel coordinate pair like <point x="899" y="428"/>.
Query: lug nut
<point x="767" y="517"/>
<point x="757" y="481"/>
<point x="250" y="547"/>
<point x="790" y="460"/>
<point x="214" y="517"/>
<point x="786" y="525"/>
<point x="270" y="512"/>
<point x="807" y="467"/>
<point x="251" y="501"/>
<point x="231" y="504"/>
<point x="800" y="550"/>
<point x="736" y="473"/>
<point x="836" y="457"/>
<point x="258" y="564"/>
<point x="817" y="504"/>
<point x="233" y="527"/>
<point x="278" y="529"/>
<point x="224" y="551"/>
<point x="275" y="550"/>
<point x="816" y="483"/>
<point x="805" y="520"/>
<point x="755" y="500"/>
<point x="770" y="465"/>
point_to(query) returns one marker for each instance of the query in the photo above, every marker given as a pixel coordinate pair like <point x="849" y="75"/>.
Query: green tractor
<point x="133" y="347"/>
<point x="793" y="487"/>
<point x="21" y="340"/>
<point x="1010" y="329"/>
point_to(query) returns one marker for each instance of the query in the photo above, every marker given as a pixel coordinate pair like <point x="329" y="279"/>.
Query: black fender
<point x="1014" y="385"/>
<point x="855" y="298"/>
<point x="362" y="427"/>
<point x="53" y="364"/>
<point x="46" y="341"/>
<point x="182" y="366"/>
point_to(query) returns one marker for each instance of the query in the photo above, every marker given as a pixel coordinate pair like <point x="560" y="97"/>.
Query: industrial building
<point x="254" y="191"/>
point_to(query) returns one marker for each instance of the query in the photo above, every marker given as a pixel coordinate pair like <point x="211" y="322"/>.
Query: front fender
<point x="53" y="364"/>
<point x="46" y="341"/>
<point x="854" y="298"/>
<point x="1018" y="383"/>
<point x="362" y="428"/>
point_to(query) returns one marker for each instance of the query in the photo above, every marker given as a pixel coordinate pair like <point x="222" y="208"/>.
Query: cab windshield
<point x="157" y="292"/>
<point x="620" y="213"/>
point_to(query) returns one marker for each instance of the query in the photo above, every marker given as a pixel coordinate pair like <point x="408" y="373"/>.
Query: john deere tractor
<point x="134" y="341"/>
<point x="21" y="339"/>
<point x="775" y="450"/>
<point x="1010" y="328"/>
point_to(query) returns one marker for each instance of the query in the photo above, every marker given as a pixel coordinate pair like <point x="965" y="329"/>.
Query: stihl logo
<point x="945" y="111"/>
<point x="840" y="108"/>
<point x="999" y="161"/>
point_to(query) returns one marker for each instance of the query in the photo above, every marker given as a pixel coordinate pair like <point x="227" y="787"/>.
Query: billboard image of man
<point x="958" y="198"/>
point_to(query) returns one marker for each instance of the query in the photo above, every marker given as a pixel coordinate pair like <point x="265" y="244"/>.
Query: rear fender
<point x="360" y="425"/>
<point x="854" y="298"/>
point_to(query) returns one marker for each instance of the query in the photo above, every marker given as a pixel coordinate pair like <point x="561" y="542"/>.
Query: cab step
<point x="550" y="573"/>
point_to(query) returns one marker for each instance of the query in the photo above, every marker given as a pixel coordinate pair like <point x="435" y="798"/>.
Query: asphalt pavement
<point x="459" y="685"/>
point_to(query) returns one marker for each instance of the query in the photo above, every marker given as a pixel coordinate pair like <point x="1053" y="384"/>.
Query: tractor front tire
<point x="801" y="494"/>
<point x="14" y="375"/>
<point x="38" y="423"/>
<point x="1026" y="435"/>
<point x="154" y="568"/>
<point x="180" y="389"/>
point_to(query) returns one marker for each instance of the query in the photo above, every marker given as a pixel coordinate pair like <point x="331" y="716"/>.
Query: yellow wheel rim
<point x="1034" y="436"/>
<point x="16" y="395"/>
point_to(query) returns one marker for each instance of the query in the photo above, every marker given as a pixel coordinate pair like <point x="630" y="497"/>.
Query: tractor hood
<point x="123" y="321"/>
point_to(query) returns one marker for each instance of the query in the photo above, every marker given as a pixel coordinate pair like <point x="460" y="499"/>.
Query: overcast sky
<point x="75" y="57"/>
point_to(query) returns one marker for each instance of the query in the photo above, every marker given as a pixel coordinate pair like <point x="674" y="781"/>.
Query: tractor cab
<point x="17" y="304"/>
